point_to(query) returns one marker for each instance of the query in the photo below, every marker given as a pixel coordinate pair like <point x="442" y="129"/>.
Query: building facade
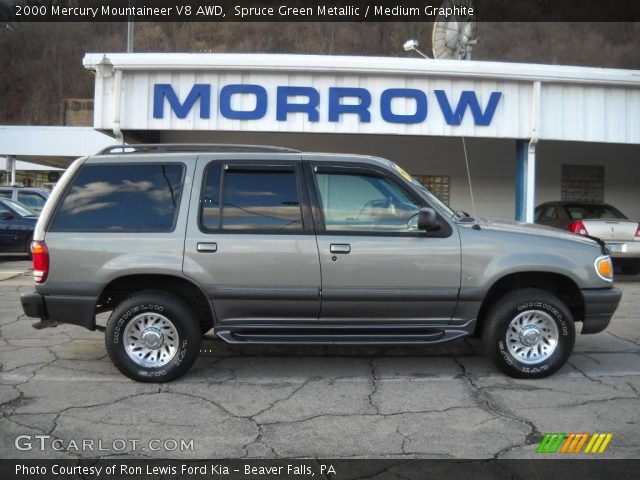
<point x="523" y="133"/>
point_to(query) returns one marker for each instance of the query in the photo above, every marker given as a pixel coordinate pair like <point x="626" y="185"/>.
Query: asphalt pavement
<point x="61" y="397"/>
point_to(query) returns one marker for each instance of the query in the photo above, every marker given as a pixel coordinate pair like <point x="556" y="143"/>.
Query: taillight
<point x="637" y="235"/>
<point x="578" y="227"/>
<point x="40" y="261"/>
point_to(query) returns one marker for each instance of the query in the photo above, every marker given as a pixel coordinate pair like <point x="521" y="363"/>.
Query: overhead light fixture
<point x="410" y="45"/>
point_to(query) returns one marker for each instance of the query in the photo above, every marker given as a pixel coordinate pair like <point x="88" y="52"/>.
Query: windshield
<point x="585" y="211"/>
<point x="19" y="208"/>
<point x="432" y="198"/>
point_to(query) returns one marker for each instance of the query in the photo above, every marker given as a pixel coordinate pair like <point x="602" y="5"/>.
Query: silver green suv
<point x="274" y="246"/>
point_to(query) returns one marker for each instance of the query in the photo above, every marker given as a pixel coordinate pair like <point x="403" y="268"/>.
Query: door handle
<point x="207" y="247"/>
<point x="340" y="248"/>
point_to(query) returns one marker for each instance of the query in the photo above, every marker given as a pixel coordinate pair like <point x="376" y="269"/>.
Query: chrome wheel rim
<point x="532" y="336"/>
<point x="151" y="340"/>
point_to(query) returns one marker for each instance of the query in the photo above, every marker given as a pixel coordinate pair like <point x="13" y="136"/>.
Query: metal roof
<point x="361" y="64"/>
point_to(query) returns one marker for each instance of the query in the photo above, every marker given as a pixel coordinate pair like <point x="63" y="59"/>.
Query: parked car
<point x="17" y="224"/>
<point x="273" y="246"/>
<point x="32" y="198"/>
<point x="621" y="235"/>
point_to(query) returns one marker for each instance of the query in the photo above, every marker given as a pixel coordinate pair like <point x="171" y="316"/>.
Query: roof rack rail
<point x="196" y="147"/>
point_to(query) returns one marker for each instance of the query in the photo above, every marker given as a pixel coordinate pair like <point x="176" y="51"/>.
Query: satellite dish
<point x="454" y="35"/>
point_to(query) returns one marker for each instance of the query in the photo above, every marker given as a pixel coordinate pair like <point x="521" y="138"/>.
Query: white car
<point x="600" y="220"/>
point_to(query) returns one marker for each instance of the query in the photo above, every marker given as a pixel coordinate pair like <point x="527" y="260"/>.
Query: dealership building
<point x="524" y="133"/>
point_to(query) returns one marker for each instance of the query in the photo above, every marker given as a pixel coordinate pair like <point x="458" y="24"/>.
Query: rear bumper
<point x="599" y="306"/>
<point x="623" y="250"/>
<point x="55" y="309"/>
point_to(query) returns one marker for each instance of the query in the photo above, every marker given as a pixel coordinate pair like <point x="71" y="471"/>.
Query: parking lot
<point x="444" y="402"/>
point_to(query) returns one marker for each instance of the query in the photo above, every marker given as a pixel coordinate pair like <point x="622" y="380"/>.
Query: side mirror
<point x="6" y="215"/>
<point x="428" y="220"/>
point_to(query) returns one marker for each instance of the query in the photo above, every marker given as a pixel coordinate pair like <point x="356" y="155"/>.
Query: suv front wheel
<point x="529" y="333"/>
<point x="152" y="336"/>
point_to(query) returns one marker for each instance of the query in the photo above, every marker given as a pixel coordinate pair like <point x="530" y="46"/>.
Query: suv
<point x="274" y="246"/>
<point x="34" y="198"/>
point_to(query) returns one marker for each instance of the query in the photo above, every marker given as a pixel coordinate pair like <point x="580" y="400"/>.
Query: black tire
<point x="156" y="305"/>
<point x="28" y="247"/>
<point x="510" y="307"/>
<point x="630" y="270"/>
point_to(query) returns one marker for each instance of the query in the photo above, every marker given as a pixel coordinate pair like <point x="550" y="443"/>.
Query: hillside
<point x="42" y="62"/>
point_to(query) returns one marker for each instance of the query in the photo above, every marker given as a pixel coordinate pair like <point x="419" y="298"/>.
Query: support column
<point x="525" y="180"/>
<point x="10" y="168"/>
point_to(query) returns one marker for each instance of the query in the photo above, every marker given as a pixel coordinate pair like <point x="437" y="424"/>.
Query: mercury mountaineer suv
<point x="273" y="246"/>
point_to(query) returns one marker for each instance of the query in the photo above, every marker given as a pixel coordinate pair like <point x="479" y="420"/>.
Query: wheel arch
<point x="121" y="287"/>
<point x="560" y="285"/>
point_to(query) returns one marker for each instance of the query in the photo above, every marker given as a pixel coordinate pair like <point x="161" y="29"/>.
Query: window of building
<point x="582" y="183"/>
<point x="439" y="185"/>
<point x="142" y="197"/>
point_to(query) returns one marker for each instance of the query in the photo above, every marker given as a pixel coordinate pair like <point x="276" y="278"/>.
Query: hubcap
<point x="151" y="340"/>
<point x="532" y="336"/>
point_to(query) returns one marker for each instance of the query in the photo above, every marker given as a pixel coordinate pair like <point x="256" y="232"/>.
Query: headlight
<point x="604" y="268"/>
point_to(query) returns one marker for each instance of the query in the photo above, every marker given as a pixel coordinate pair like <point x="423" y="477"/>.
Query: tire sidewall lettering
<point x="551" y="309"/>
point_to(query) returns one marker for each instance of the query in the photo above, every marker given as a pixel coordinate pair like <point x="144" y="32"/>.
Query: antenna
<point x="455" y="33"/>
<point x="466" y="161"/>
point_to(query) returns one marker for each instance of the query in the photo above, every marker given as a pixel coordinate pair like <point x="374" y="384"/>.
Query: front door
<point x="250" y="242"/>
<point x="375" y="264"/>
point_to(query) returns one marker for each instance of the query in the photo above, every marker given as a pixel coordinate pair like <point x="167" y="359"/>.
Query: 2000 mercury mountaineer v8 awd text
<point x="273" y="246"/>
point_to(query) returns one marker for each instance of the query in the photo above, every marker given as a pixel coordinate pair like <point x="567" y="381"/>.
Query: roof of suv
<point x="192" y="148"/>
<point x="177" y="148"/>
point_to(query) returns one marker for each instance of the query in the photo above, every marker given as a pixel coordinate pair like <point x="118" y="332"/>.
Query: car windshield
<point x="585" y="211"/>
<point x="19" y="208"/>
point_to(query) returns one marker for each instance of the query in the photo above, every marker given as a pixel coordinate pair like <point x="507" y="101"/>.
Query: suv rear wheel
<point x="152" y="336"/>
<point x="529" y="333"/>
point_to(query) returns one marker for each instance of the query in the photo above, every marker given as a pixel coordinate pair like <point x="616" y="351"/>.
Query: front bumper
<point x="56" y="309"/>
<point x="599" y="306"/>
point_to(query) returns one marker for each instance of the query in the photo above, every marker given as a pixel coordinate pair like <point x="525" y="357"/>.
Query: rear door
<point x="374" y="264"/>
<point x="250" y="242"/>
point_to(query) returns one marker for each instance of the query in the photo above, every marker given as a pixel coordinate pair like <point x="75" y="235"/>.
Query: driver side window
<point x="364" y="202"/>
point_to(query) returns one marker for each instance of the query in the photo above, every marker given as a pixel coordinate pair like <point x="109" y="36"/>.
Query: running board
<point x="332" y="335"/>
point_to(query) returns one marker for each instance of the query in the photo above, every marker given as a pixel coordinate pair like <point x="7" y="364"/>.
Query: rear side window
<point x="5" y="193"/>
<point x="32" y="199"/>
<point x="260" y="199"/>
<point x="121" y="198"/>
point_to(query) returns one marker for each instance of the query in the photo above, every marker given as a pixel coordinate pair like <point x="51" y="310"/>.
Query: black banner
<point x="113" y="469"/>
<point x="318" y="10"/>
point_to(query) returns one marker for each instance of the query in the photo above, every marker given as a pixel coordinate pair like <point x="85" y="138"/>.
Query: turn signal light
<point x="604" y="268"/>
<point x="40" y="255"/>
<point x="578" y="227"/>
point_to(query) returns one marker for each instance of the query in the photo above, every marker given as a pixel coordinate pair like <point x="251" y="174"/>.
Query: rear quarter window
<point x="121" y="198"/>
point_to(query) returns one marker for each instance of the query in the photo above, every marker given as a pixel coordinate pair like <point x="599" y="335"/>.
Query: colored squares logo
<point x="574" y="442"/>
